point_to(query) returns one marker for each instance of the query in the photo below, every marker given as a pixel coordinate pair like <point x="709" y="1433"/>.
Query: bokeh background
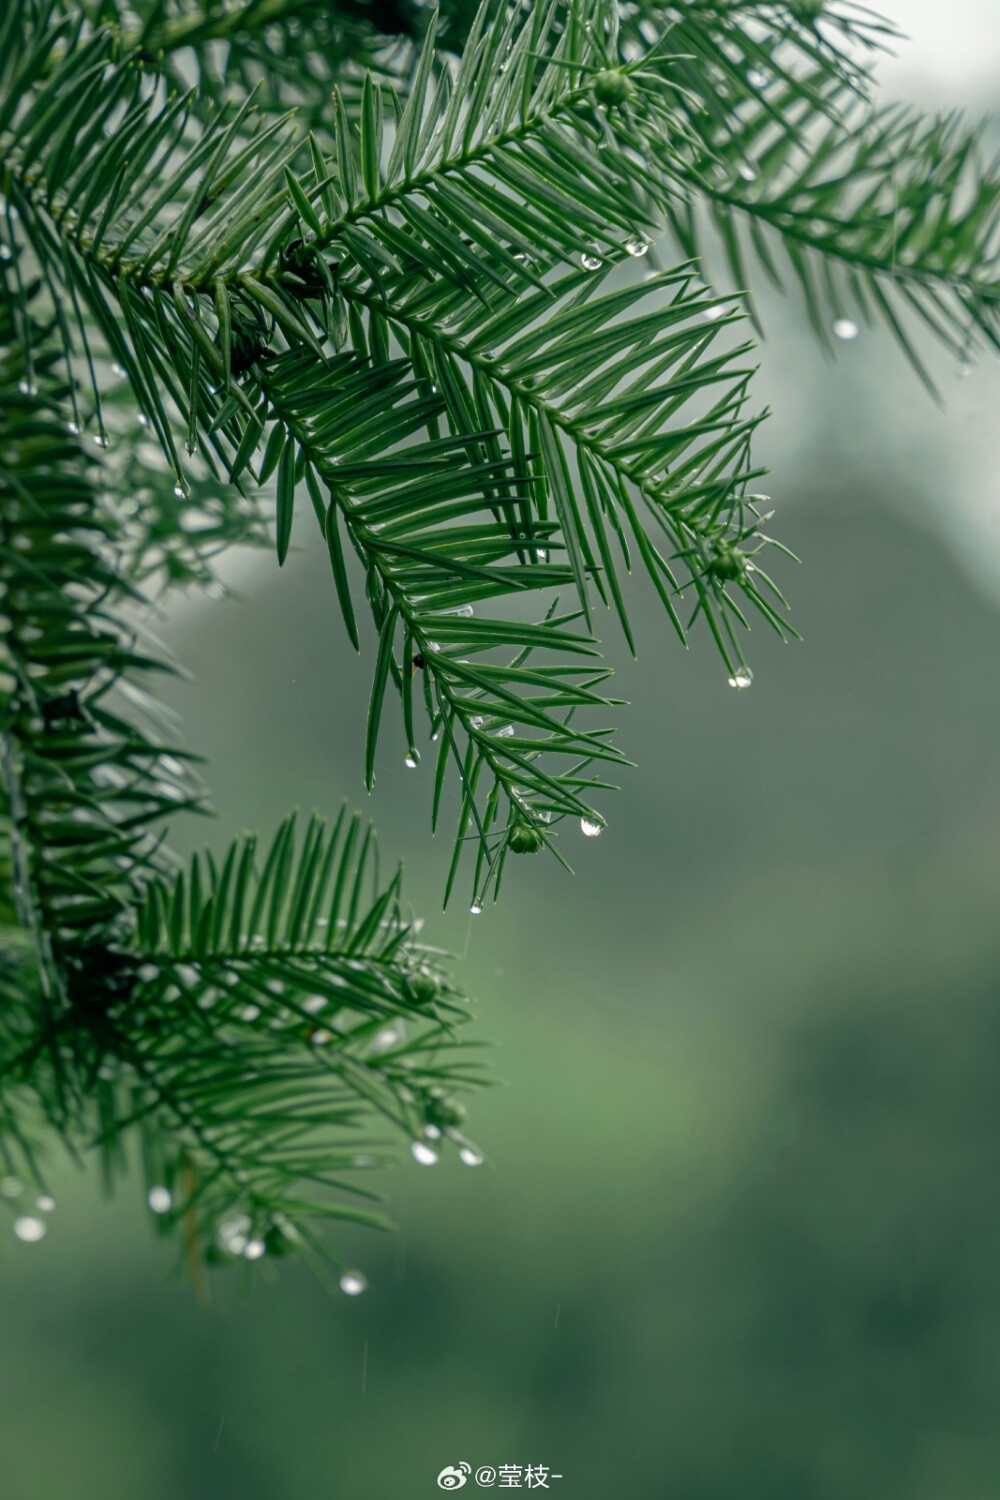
<point x="740" y="1231"/>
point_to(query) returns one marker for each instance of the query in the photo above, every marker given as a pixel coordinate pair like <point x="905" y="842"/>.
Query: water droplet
<point x="741" y="678"/>
<point x="73" y="428"/>
<point x="424" y="1154"/>
<point x="757" y="78"/>
<point x="313" y="1003"/>
<point x="45" y="1204"/>
<point x="747" y="172"/>
<point x="249" y="1012"/>
<point x="353" y="1283"/>
<point x="181" y="490"/>
<point x="541" y="555"/>
<point x="845" y="328"/>
<point x="590" y="262"/>
<point x="119" y="370"/>
<point x="716" y="310"/>
<point x="160" y="1199"/>
<point x="963" y="370"/>
<point x="29" y="1229"/>
<point x="254" y="1249"/>
<point x="432" y="1133"/>
<point x="5" y="252"/>
<point x="636" y="246"/>
<point x="142" y="419"/>
<point x="27" y="387"/>
<point x="476" y="907"/>
<point x="412" y="760"/>
<point x="463" y="612"/>
<point x="470" y="1156"/>
<point x="187" y="974"/>
<point x="591" y="829"/>
<point x="477" y="721"/>
<point x="389" y="1036"/>
<point x="505" y="733"/>
<point x="101" y="440"/>
<point x="147" y="973"/>
<point x="321" y="1037"/>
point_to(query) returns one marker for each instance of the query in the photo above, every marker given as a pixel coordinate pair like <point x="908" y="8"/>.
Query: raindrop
<point x="73" y="428"/>
<point x="254" y="1249"/>
<point x="747" y="172"/>
<point x="11" y="1187"/>
<point x="119" y="370"/>
<point x="101" y="440"/>
<point x="147" y="973"/>
<point x="432" y="1133"/>
<point x="590" y="262"/>
<point x="160" y="1200"/>
<point x="142" y="419"/>
<point x="591" y="829"/>
<point x="353" y="1283"/>
<point x="717" y="310"/>
<point x="845" y="328"/>
<point x="741" y="678"/>
<point x="45" y="1204"/>
<point x="541" y="555"/>
<point x="5" y="252"/>
<point x="187" y="973"/>
<point x="180" y="491"/>
<point x="389" y="1036"/>
<point x="476" y="907"/>
<point x="424" y="1154"/>
<point x="321" y="1036"/>
<point x="313" y="1003"/>
<point x="636" y="246"/>
<point x="412" y="759"/>
<point x="29" y="1229"/>
<point x="757" y="78"/>
<point x="470" y="1156"/>
<point x="249" y="1012"/>
<point x="27" y="388"/>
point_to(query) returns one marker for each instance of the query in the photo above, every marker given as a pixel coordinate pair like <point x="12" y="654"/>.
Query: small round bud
<point x="443" y="1113"/>
<point x="728" y="563"/>
<point x="613" y="87"/>
<point x="424" y="988"/>
<point x="524" y="839"/>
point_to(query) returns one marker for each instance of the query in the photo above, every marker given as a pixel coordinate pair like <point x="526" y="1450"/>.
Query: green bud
<point x="613" y="87"/>
<point x="524" y="839"/>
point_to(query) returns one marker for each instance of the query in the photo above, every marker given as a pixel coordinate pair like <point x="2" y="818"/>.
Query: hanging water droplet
<point x="412" y="760"/>
<point x="716" y="310"/>
<point x="142" y="419"/>
<point x="73" y="428"/>
<point x="45" y="1204"/>
<point x="757" y="78"/>
<point x="845" y="328"/>
<point x="101" y="440"/>
<point x="320" y="1037"/>
<point x="5" y="252"/>
<point x="747" y="172"/>
<point x="254" y="1249"/>
<point x="314" y="1003"/>
<point x="119" y="370"/>
<point x="470" y="1156"/>
<point x="541" y="555"/>
<point x="591" y="829"/>
<point x="353" y="1283"/>
<point x="476" y="908"/>
<point x="29" y="1229"/>
<point x="181" y="490"/>
<point x="11" y="1187"/>
<point x="160" y="1199"/>
<point x="590" y="262"/>
<point x="742" y="677"/>
<point x="636" y="246"/>
<point x="27" y="388"/>
<point x="424" y="1154"/>
<point x="389" y="1036"/>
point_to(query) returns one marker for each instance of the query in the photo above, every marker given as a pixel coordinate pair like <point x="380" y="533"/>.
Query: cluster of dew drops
<point x="29" y="1227"/>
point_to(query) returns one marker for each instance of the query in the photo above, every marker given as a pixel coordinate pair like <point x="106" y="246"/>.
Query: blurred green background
<point x="740" y="1231"/>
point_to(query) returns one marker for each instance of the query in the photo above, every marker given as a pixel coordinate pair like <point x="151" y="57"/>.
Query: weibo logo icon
<point x="454" y="1476"/>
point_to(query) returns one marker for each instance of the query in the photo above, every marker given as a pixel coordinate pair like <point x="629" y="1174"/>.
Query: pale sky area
<point x="951" y="45"/>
